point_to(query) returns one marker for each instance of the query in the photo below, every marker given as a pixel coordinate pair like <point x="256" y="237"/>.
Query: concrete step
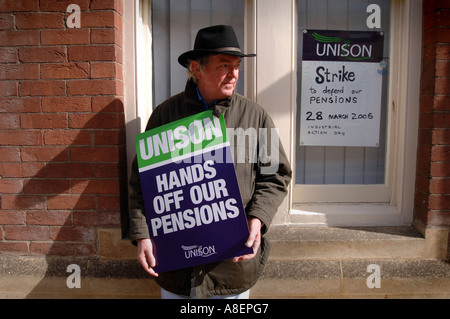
<point x="305" y="262"/>
<point x="352" y="262"/>
<point x="358" y="278"/>
<point x="302" y="242"/>
<point x="37" y="277"/>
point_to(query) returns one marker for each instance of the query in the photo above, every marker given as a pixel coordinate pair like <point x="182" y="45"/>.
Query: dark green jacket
<point x="262" y="190"/>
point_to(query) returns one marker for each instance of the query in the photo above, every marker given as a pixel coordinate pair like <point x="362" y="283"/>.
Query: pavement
<point x="319" y="263"/>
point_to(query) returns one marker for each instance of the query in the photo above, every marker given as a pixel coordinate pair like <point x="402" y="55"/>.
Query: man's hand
<point x="145" y="255"/>
<point x="254" y="239"/>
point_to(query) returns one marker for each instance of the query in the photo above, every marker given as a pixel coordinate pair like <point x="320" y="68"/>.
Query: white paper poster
<point x="341" y="89"/>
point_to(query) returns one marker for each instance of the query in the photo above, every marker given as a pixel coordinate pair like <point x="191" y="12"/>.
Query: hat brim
<point x="197" y="54"/>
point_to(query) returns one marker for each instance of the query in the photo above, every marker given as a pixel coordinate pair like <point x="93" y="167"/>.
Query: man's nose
<point x="233" y="72"/>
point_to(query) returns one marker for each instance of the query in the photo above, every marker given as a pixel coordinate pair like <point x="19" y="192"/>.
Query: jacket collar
<point x="193" y="97"/>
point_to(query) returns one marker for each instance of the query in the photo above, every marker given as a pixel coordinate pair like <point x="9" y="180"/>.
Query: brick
<point x="68" y="137"/>
<point x="66" y="104"/>
<point x="440" y="136"/>
<point x="50" y="218"/>
<point x="8" y="88"/>
<point x="438" y="218"/>
<point x="423" y="168"/>
<point x="19" y="38"/>
<point x="70" y="170"/>
<point x="106" y="36"/>
<point x="93" y="53"/>
<point x="442" y="68"/>
<point x="61" y="5"/>
<point x="65" y="71"/>
<point x="429" y="53"/>
<point x="10" y="186"/>
<point x="22" y="170"/>
<point x="35" y="202"/>
<point x="19" y="248"/>
<point x="9" y="121"/>
<point x="8" y="55"/>
<point x="46" y="186"/>
<point x="6" y="21"/>
<point x="107" y="170"/>
<point x="65" y="37"/>
<point x="77" y="202"/>
<point x="430" y="20"/>
<point x="42" y="88"/>
<point x="19" y="71"/>
<point x="439" y="186"/>
<point x="434" y="120"/>
<point x="18" y="5"/>
<point x="440" y="153"/>
<point x="9" y="154"/>
<point x="97" y="120"/>
<point x="52" y="249"/>
<point x="101" y="19"/>
<point x="44" y="154"/>
<point x="43" y="120"/>
<point x="109" y="137"/>
<point x="94" y="154"/>
<point x="94" y="87"/>
<point x="96" y="186"/>
<point x="443" y="51"/>
<point x="20" y="104"/>
<point x="27" y="21"/>
<point x="12" y="218"/>
<point x="42" y="54"/>
<point x="77" y="234"/>
<point x="116" y="5"/>
<point x="108" y="203"/>
<point x="441" y="103"/>
<point x="442" y="85"/>
<point x="440" y="169"/>
<point x="96" y="219"/>
<point x="437" y="202"/>
<point x="429" y="37"/>
<point x="423" y="184"/>
<point x="107" y="104"/>
<point x="39" y="233"/>
<point x="23" y="137"/>
<point x="104" y="70"/>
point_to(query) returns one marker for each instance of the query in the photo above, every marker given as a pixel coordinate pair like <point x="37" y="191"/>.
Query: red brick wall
<point x="433" y="172"/>
<point x="62" y="131"/>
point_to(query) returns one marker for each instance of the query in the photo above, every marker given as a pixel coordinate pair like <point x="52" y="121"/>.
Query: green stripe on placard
<point x="180" y="138"/>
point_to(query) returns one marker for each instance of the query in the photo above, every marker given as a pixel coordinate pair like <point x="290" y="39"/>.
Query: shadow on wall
<point x="79" y="184"/>
<point x="82" y="186"/>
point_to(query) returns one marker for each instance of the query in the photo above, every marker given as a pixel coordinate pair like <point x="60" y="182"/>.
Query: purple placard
<point x="194" y="210"/>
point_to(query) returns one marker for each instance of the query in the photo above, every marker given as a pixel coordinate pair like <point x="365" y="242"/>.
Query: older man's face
<point x="218" y="79"/>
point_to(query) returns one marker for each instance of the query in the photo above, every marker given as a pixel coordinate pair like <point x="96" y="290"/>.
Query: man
<point x="213" y="71"/>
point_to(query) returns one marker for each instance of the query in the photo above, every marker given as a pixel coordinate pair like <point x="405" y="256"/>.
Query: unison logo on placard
<point x="344" y="46"/>
<point x="198" y="251"/>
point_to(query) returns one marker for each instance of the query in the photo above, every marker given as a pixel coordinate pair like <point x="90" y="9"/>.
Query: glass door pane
<point x="341" y="164"/>
<point x="175" y="25"/>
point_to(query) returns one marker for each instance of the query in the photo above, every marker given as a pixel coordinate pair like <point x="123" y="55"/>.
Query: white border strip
<point x="182" y="157"/>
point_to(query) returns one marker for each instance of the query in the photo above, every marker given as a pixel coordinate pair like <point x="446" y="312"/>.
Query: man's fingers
<point x="254" y="239"/>
<point x="145" y="256"/>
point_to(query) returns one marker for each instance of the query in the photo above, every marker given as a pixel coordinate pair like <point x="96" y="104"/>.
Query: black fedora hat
<point x="219" y="39"/>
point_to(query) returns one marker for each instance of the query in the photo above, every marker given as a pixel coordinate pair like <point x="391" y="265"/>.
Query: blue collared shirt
<point x="206" y="105"/>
